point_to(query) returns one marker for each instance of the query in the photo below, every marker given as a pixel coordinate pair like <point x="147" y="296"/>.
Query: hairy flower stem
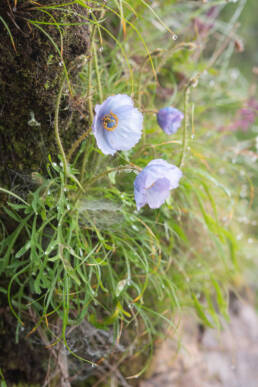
<point x="192" y="83"/>
<point x="117" y="169"/>
<point x="90" y="106"/>
<point x="77" y="143"/>
<point x="186" y="123"/>
<point x="97" y="71"/>
<point x="58" y="139"/>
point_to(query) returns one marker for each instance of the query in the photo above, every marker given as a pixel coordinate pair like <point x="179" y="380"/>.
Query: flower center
<point x="110" y="121"/>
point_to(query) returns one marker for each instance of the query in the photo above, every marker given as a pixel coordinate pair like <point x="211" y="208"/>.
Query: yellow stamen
<point x="110" y="121"/>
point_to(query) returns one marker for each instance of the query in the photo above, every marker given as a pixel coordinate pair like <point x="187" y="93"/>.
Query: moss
<point x="29" y="83"/>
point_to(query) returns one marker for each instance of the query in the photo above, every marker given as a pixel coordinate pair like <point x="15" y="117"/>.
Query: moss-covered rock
<point x="30" y="73"/>
<point x="30" y="76"/>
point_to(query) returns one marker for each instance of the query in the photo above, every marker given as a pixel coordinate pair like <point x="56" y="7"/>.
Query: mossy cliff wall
<point x="30" y="73"/>
<point x="30" y="76"/>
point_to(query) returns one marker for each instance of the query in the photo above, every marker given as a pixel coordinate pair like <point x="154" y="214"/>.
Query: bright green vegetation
<point x="78" y="249"/>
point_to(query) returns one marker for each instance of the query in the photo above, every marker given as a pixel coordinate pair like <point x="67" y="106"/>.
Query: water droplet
<point x="68" y="207"/>
<point x="174" y="37"/>
<point x="120" y="286"/>
<point x="234" y="74"/>
<point x="101" y="49"/>
<point x="60" y="64"/>
<point x="48" y="192"/>
<point x="65" y="189"/>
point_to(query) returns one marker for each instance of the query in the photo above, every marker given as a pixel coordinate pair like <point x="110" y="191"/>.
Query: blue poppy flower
<point x="117" y="124"/>
<point x="153" y="184"/>
<point x="169" y="119"/>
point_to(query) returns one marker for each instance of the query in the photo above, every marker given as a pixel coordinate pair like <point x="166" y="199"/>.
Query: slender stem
<point x="77" y="143"/>
<point x="90" y="106"/>
<point x="14" y="195"/>
<point x="58" y="139"/>
<point x="90" y="75"/>
<point x="186" y="122"/>
<point x="192" y="83"/>
<point x="97" y="71"/>
<point x="148" y="111"/>
<point x="130" y="166"/>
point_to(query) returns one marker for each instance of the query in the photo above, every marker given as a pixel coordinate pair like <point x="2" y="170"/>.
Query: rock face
<point x="30" y="71"/>
<point x="32" y="58"/>
<point x="211" y="359"/>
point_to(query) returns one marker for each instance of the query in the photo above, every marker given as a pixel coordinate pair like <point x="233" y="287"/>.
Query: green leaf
<point x="200" y="312"/>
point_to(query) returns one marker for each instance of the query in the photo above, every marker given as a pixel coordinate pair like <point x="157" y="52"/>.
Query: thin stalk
<point x="58" y="139"/>
<point x="77" y="143"/>
<point x="97" y="71"/>
<point x="186" y="123"/>
<point x="192" y="83"/>
<point x="130" y="166"/>
<point x="90" y="106"/>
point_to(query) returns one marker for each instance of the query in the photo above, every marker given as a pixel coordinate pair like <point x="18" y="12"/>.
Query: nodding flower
<point x="153" y="184"/>
<point x="169" y="119"/>
<point x="117" y="124"/>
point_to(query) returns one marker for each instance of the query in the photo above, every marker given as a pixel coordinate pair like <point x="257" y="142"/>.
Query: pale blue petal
<point x="174" y="175"/>
<point x="160" y="168"/>
<point x="114" y="102"/>
<point x="158" y="193"/>
<point x="128" y="131"/>
<point x="99" y="134"/>
<point x="154" y="182"/>
<point x="103" y="144"/>
<point x="139" y="190"/>
<point x="169" y="119"/>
